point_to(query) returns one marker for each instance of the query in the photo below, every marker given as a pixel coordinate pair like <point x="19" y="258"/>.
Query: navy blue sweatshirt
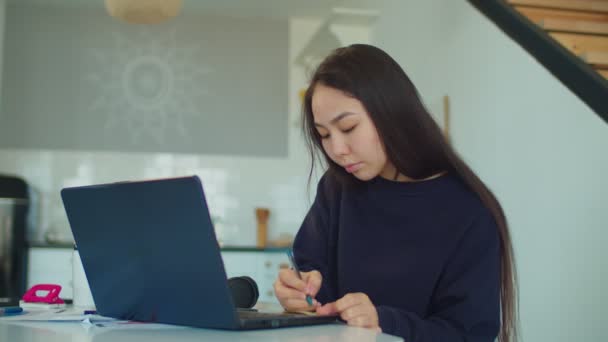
<point x="426" y="254"/>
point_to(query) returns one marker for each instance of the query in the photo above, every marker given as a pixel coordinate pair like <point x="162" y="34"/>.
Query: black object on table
<point x="14" y="206"/>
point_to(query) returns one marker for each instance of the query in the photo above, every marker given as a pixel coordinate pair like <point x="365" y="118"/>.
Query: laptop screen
<point x="150" y="253"/>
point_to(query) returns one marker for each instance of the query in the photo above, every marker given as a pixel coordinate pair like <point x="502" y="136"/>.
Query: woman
<point x="402" y="237"/>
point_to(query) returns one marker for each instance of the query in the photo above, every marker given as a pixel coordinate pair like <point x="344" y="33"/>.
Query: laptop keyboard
<point x="265" y="315"/>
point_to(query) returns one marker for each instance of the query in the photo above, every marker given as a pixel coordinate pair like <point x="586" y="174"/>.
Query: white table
<point x="16" y="331"/>
<point x="76" y="332"/>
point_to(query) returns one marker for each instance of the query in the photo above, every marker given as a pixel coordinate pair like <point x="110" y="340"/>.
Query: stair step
<point x="580" y="44"/>
<point x="597" y="59"/>
<point x="538" y="14"/>
<point x="575" y="5"/>
<point x="561" y="25"/>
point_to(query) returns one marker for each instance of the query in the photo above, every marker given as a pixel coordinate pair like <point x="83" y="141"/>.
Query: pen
<point x="297" y="270"/>
<point x="11" y="310"/>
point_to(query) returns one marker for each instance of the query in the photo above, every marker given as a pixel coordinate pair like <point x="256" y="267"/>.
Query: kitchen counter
<point x="223" y="248"/>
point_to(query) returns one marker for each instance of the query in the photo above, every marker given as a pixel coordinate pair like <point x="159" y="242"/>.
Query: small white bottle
<point x="82" y="292"/>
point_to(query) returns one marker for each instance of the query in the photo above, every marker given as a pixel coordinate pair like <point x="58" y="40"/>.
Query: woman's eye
<point x="349" y="129"/>
<point x="323" y="136"/>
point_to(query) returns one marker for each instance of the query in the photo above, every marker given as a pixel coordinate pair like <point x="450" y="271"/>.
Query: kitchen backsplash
<point x="234" y="187"/>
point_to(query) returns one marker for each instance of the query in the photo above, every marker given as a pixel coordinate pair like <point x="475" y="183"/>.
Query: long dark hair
<point x="412" y="140"/>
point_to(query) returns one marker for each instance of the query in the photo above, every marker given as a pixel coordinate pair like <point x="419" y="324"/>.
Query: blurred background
<point x="90" y="98"/>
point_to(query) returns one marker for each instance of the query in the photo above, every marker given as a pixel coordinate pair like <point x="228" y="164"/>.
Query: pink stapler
<point x="42" y="296"/>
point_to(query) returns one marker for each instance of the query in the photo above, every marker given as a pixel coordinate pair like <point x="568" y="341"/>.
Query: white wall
<point x="543" y="152"/>
<point x="2" y="24"/>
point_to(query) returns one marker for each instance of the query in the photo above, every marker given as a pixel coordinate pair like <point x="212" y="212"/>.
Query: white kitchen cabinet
<point x="268" y="270"/>
<point x="54" y="265"/>
<point x="262" y="266"/>
<point x="51" y="266"/>
<point x="239" y="263"/>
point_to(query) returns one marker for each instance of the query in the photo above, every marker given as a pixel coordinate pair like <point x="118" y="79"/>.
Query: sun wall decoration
<point x="148" y="83"/>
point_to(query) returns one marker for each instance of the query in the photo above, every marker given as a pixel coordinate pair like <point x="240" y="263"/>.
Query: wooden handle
<point x="262" y="215"/>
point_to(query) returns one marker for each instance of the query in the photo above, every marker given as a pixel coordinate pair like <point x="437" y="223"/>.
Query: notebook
<point x="150" y="254"/>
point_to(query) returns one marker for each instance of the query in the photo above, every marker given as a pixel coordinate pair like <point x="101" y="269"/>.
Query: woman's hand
<point x="355" y="308"/>
<point x="291" y="291"/>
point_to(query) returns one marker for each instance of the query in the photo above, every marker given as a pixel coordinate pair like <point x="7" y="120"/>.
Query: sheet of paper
<point x="56" y="315"/>
<point x="75" y="318"/>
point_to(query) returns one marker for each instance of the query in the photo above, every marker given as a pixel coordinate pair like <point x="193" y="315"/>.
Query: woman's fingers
<point x="313" y="281"/>
<point x="365" y="321"/>
<point x="353" y="312"/>
<point x="338" y="306"/>
<point x="327" y="309"/>
<point x="351" y="299"/>
<point x="354" y="308"/>
<point x="297" y="305"/>
<point x="291" y="291"/>
<point x="283" y="292"/>
<point x="290" y="279"/>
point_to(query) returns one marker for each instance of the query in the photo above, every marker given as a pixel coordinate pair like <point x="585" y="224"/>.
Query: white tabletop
<point x="77" y="332"/>
<point x="18" y="331"/>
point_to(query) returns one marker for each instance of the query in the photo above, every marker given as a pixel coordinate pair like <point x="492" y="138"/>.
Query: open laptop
<point x="150" y="254"/>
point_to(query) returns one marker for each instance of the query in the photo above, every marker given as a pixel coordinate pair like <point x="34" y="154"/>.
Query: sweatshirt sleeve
<point x="312" y="243"/>
<point x="466" y="303"/>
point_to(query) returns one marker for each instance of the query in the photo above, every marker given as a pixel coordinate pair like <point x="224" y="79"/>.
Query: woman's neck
<point x="403" y="178"/>
<point x="391" y="173"/>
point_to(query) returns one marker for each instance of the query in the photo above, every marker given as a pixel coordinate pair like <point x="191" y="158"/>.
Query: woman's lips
<point x="350" y="168"/>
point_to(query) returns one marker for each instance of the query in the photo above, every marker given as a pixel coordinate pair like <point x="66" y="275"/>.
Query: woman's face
<point x="348" y="135"/>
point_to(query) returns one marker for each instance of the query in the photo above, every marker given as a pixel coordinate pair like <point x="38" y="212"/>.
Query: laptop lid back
<point x="150" y="253"/>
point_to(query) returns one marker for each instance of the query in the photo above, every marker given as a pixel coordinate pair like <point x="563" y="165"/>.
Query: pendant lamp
<point x="143" y="11"/>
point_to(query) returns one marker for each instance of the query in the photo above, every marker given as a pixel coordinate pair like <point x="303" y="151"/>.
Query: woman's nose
<point x="340" y="146"/>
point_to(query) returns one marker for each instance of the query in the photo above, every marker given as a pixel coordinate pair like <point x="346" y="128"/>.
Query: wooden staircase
<point x="568" y="37"/>
<point x="579" y="25"/>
